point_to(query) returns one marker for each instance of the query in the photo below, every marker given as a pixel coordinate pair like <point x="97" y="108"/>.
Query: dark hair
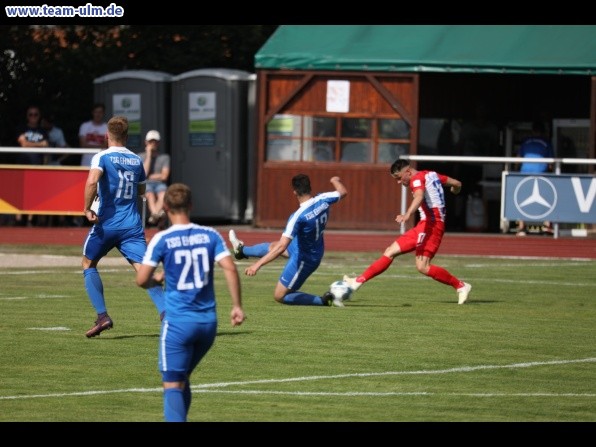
<point x="398" y="165"/>
<point x="301" y="184"/>
<point x="33" y="106"/>
<point x="49" y="117"/>
<point x="100" y="105"/>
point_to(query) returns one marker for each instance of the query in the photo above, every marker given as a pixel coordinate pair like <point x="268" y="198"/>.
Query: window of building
<point x="336" y="139"/>
<point x="394" y="139"/>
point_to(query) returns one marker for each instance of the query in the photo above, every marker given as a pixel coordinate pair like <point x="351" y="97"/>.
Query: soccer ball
<point x="340" y="290"/>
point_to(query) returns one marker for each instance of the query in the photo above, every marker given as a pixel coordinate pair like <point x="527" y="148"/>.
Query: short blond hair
<point x="178" y="197"/>
<point x="118" y="129"/>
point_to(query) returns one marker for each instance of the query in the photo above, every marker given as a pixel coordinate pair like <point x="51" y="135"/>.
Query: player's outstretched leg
<point x="237" y="245"/>
<point x="352" y="283"/>
<point x="463" y="293"/>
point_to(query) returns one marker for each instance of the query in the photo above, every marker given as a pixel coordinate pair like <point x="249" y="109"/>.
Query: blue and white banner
<point x="556" y="198"/>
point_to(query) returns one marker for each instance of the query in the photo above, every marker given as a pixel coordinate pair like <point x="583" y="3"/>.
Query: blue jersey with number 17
<point x="123" y="171"/>
<point x="188" y="253"/>
<point x="306" y="226"/>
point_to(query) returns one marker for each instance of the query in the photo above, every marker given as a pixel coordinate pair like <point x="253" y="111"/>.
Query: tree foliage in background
<point x="54" y="66"/>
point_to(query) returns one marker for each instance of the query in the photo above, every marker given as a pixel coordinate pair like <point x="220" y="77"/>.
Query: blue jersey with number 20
<point x="188" y="253"/>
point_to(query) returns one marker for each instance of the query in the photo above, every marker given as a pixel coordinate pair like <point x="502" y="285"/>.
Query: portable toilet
<point x="211" y="140"/>
<point x="143" y="96"/>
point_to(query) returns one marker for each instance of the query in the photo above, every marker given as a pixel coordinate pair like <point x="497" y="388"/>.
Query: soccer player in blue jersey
<point x="301" y="242"/>
<point x="188" y="253"/>
<point x="117" y="179"/>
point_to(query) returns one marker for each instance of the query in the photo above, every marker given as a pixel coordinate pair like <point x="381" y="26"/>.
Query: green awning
<point x="526" y="49"/>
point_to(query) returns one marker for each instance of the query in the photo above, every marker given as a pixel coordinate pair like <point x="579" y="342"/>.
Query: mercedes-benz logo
<point x="535" y="197"/>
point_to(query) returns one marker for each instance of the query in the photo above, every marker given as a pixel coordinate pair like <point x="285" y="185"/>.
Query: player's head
<point x="117" y="130"/>
<point x="301" y="184"/>
<point x="398" y="165"/>
<point x="178" y="198"/>
<point x="401" y="171"/>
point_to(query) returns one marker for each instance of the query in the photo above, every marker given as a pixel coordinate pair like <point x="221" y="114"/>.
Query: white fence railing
<point x="506" y="161"/>
<point x="47" y="150"/>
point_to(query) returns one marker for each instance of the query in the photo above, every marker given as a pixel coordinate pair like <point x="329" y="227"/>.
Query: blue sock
<point x="174" y="409"/>
<point x="257" y="251"/>
<point x="302" y="299"/>
<point x="187" y="396"/>
<point x="94" y="288"/>
<point x="156" y="295"/>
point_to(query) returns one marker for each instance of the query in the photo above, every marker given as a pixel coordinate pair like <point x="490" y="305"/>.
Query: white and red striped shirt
<point x="433" y="205"/>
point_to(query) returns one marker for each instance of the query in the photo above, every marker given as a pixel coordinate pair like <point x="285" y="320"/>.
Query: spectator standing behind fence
<point x="157" y="169"/>
<point x="32" y="135"/>
<point x="92" y="133"/>
<point x="533" y="147"/>
<point x="56" y="139"/>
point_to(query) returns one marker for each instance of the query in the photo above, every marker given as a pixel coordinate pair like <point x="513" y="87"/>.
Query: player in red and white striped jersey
<point x="425" y="238"/>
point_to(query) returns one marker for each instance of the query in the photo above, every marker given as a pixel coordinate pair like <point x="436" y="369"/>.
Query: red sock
<point x="376" y="268"/>
<point x="442" y="275"/>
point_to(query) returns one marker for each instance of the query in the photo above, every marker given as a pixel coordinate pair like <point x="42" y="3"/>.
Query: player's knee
<point x="390" y="254"/>
<point x="422" y="269"/>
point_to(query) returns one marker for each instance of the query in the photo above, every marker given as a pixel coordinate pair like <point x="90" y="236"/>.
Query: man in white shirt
<point x="92" y="134"/>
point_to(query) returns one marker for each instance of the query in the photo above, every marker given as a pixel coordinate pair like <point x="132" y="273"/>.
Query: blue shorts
<point x="182" y="345"/>
<point x="130" y="242"/>
<point x="155" y="187"/>
<point x="296" y="272"/>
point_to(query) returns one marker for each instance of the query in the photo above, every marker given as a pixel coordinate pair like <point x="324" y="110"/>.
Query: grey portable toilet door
<point x="206" y="151"/>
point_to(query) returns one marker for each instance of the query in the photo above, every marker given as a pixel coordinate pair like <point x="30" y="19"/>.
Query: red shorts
<point x="425" y="238"/>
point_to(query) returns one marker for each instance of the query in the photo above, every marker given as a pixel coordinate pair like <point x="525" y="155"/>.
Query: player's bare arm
<point x="144" y="276"/>
<point x="339" y="186"/>
<point x="276" y="250"/>
<point x="91" y="193"/>
<point x="416" y="202"/>
<point x="454" y="185"/>
<point x="237" y="315"/>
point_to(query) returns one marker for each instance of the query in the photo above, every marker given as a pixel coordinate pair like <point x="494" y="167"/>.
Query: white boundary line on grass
<point x="207" y="387"/>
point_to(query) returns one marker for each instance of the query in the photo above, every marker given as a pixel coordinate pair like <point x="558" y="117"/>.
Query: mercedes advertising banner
<point x="563" y="198"/>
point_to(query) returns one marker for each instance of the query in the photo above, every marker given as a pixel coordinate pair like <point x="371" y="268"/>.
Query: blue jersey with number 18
<point x="118" y="187"/>
<point x="188" y="253"/>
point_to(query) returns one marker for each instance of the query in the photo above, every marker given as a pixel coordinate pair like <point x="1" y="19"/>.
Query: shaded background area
<point x="54" y="66"/>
